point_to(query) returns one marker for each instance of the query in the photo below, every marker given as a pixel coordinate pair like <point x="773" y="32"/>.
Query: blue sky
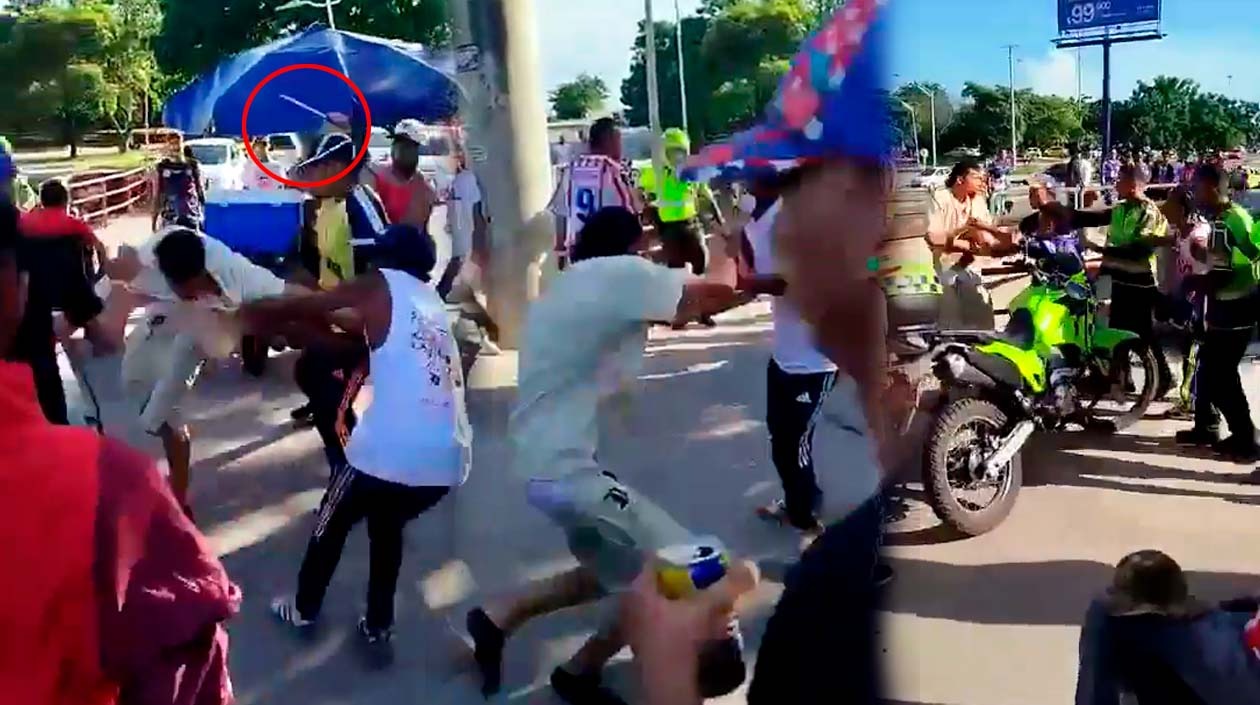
<point x="953" y="41"/>
<point x="595" y="36"/>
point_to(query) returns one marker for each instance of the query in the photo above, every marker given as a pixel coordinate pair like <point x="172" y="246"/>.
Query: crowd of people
<point x="123" y="602"/>
<point x="1188" y="265"/>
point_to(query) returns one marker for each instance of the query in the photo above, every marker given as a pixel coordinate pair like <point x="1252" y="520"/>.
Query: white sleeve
<point x="241" y="279"/>
<point x="257" y="282"/>
<point x="647" y="291"/>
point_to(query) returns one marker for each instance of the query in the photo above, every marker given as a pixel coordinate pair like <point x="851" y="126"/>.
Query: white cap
<point x="409" y="129"/>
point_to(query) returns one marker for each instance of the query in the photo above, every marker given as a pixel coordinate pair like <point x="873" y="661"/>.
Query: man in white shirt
<point x="798" y="381"/>
<point x="255" y="178"/>
<point x="960" y="227"/>
<point x="583" y="343"/>
<point x="467" y="224"/>
<point x="193" y="286"/>
<point x="590" y="183"/>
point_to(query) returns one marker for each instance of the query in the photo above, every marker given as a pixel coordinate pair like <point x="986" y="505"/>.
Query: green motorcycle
<point x="1054" y="364"/>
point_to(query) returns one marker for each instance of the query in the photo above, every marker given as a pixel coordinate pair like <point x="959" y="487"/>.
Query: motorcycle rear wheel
<point x="1121" y="372"/>
<point x="941" y="474"/>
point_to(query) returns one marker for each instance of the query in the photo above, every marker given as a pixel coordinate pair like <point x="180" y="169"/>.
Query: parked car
<point x="1032" y="153"/>
<point x="222" y="162"/>
<point x="285" y="148"/>
<point x="932" y="178"/>
<point x="1057" y="153"/>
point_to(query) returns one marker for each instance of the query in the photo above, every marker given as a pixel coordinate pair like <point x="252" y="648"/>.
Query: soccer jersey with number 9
<point x="590" y="182"/>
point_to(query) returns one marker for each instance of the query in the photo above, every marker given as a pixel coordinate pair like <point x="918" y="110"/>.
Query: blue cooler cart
<point x="266" y="227"/>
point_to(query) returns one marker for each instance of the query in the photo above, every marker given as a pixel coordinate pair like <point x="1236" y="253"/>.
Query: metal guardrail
<point x="97" y="198"/>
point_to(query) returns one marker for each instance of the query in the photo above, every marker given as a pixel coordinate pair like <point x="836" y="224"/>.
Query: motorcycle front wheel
<point x="1129" y="388"/>
<point x="966" y="432"/>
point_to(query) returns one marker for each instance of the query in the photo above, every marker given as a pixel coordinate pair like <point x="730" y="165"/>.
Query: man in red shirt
<point x="52" y="218"/>
<point x="56" y="248"/>
<point x="403" y="189"/>
<point x="120" y="599"/>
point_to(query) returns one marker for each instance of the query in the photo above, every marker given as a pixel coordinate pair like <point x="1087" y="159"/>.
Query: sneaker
<point x="488" y="640"/>
<point x="377" y="643"/>
<point x="285" y="609"/>
<point x="582" y="689"/>
<point x="883" y="574"/>
<point x="1196" y="437"/>
<point x="708" y="322"/>
<point x="1239" y="449"/>
<point x="777" y="512"/>
<point x="303" y="416"/>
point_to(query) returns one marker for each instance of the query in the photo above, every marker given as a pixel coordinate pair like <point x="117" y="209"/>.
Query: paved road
<point x="986" y="621"/>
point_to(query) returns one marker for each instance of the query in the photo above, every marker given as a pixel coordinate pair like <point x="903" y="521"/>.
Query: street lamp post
<point x="932" y="106"/>
<point x="682" y="70"/>
<point x="1010" y="60"/>
<point x="914" y="128"/>
<point x="326" y="4"/>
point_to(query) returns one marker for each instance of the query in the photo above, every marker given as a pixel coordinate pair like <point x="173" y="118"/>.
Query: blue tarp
<point x="398" y="79"/>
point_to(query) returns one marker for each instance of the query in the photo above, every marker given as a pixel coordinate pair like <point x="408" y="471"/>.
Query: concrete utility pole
<point x="506" y="120"/>
<point x="654" y="96"/>
<point x="1010" y="60"/>
<point x="682" y="68"/>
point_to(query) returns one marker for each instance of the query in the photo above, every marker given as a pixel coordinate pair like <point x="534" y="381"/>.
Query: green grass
<point x="84" y="162"/>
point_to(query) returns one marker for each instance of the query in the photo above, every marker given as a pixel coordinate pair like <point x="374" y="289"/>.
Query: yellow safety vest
<point x="675" y="199"/>
<point x="1130" y="224"/>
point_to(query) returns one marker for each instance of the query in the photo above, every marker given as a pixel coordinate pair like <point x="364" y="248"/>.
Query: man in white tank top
<point x="413" y="444"/>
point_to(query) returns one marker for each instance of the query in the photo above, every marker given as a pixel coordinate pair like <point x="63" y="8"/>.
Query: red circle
<point x="249" y="147"/>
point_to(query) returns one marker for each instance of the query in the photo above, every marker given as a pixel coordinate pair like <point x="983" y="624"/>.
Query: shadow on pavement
<point x="981" y="594"/>
<point x="695" y="443"/>
<point x="1052" y="460"/>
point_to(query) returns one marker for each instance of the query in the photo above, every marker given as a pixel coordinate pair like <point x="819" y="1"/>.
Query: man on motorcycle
<point x="1137" y="228"/>
<point x="1234" y="253"/>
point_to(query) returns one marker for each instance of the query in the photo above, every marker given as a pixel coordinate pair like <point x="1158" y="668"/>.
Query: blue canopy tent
<point x="398" y="79"/>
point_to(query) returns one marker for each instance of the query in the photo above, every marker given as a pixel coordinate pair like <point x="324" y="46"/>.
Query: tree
<point x="983" y="121"/>
<point x="56" y="74"/>
<point x="579" y="98"/>
<point x="746" y="50"/>
<point x="634" y="87"/>
<point x="130" y="67"/>
<point x="197" y="35"/>
<point x="1173" y="113"/>
<point x="922" y="106"/>
<point x="1049" y="120"/>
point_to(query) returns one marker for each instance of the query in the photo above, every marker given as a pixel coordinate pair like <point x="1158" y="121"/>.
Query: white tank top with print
<point x="416" y="431"/>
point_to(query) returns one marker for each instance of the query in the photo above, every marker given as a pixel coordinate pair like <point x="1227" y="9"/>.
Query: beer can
<point x="683" y="570"/>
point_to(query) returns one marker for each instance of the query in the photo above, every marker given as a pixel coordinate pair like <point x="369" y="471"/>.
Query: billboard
<point x="1080" y="15"/>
